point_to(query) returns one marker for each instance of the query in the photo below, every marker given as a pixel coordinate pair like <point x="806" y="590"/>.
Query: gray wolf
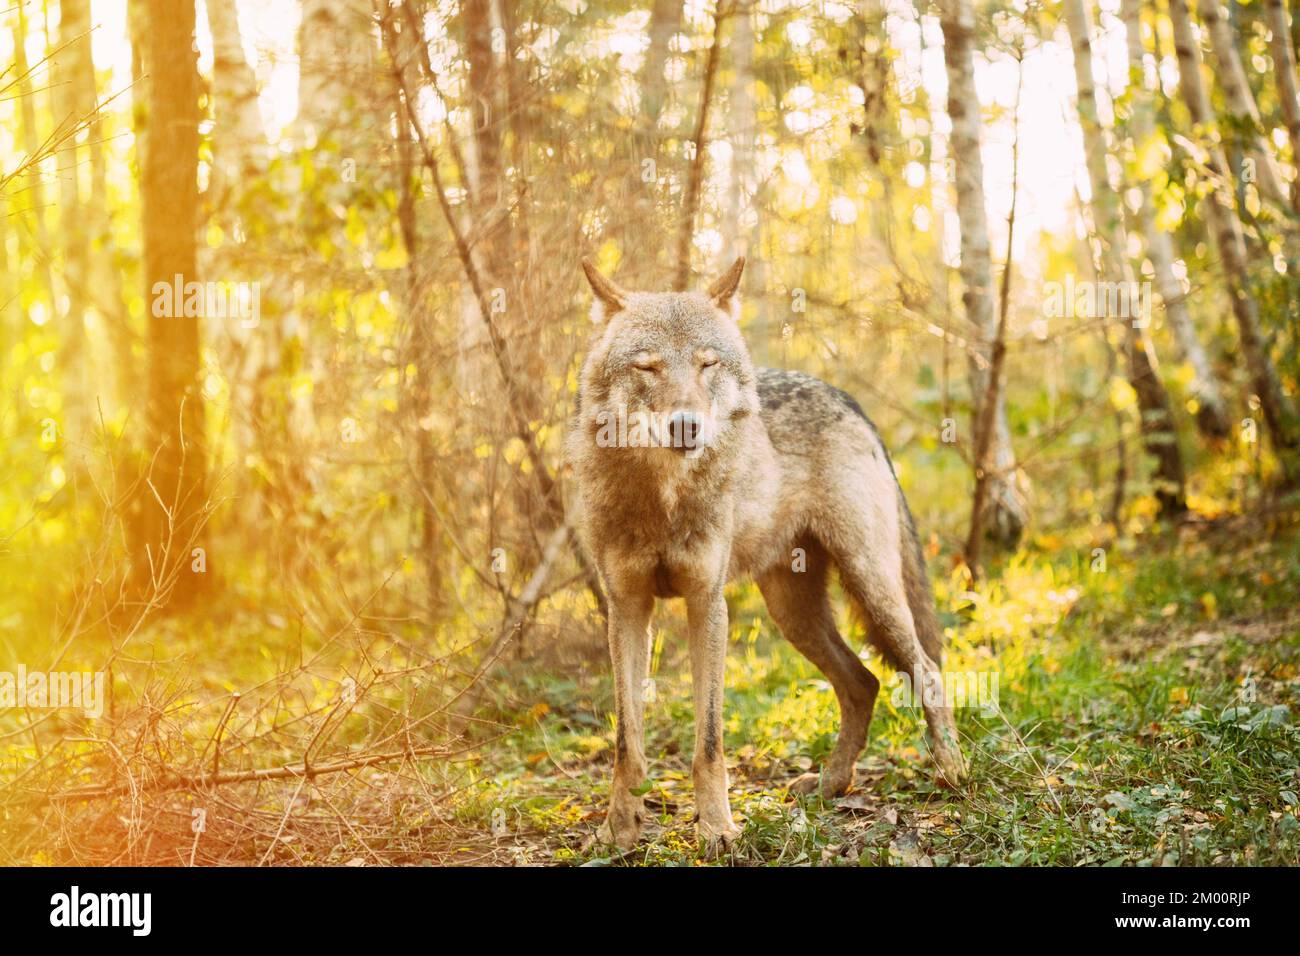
<point x="693" y="468"/>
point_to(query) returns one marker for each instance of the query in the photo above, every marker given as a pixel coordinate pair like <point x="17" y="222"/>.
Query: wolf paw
<point x="951" y="766"/>
<point x="717" y="839"/>
<point x="620" y="829"/>
<point x="805" y="785"/>
<point x="830" y="784"/>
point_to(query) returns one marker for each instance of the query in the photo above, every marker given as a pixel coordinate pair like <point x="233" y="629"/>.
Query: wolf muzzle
<point x="686" y="431"/>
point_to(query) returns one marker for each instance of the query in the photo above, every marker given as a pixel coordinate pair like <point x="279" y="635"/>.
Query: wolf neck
<point x="664" y="487"/>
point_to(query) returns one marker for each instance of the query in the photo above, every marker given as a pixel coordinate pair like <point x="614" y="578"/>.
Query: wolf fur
<point x="739" y="471"/>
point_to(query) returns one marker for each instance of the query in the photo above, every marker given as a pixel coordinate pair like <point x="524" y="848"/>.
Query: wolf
<point x="736" y="471"/>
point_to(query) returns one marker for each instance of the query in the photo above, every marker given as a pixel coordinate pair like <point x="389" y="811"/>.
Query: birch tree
<point x="1240" y="100"/>
<point x="31" y="211"/>
<point x="335" y="57"/>
<point x="241" y="141"/>
<point x="743" y="217"/>
<point x="1211" y="414"/>
<point x="1221" y="217"/>
<point x="1006" y="515"/>
<point x="665" y="21"/>
<point x="643" y="226"/>
<point x="741" y="119"/>
<point x="104" y="287"/>
<point x="1159" y="437"/>
<point x="698" y="154"/>
<point x="1284" y="73"/>
<point x="71" y="100"/>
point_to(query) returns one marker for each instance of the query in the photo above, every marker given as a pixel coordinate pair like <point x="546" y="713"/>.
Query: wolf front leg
<point x="707" y="619"/>
<point x="629" y="648"/>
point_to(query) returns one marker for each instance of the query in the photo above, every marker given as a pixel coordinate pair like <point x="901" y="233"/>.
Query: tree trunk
<point x="1284" y="71"/>
<point x="34" y="192"/>
<point x="665" y="20"/>
<point x="1158" y="433"/>
<point x="984" y="427"/>
<point x="741" y="120"/>
<point x="1240" y="100"/>
<point x="419" y="407"/>
<point x="695" y="174"/>
<point x="1295" y="28"/>
<point x="1224" y="225"/>
<point x="485" y="109"/>
<point x="71" y="106"/>
<point x="641" y="225"/>
<point x="170" y="509"/>
<point x="241" y="141"/>
<point x="498" y="257"/>
<point x="1006" y="515"/>
<point x="239" y="157"/>
<point x="874" y="70"/>
<point x="105" y="288"/>
<point x="335" y="61"/>
<point x="1211" y="413"/>
<point x="743" y="222"/>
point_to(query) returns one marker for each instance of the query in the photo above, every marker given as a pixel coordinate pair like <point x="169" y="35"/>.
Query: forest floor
<point x="1146" y="711"/>
<point x="1146" y="715"/>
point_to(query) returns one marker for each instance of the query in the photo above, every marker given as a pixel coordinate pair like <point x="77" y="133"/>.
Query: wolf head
<point x="667" y="370"/>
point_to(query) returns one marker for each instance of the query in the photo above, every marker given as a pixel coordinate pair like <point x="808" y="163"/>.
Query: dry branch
<point x="292" y="771"/>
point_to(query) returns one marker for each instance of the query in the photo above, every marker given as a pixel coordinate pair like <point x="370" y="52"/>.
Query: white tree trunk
<point x="1211" y="416"/>
<point x="1159" y="436"/>
<point x="741" y="120"/>
<point x="644" y="225"/>
<point x="1240" y="100"/>
<point x="1221" y="217"/>
<point x="1007" y="512"/>
<point x="665" y="20"/>
<point x="743" y="222"/>
<point x="239" y="154"/>
<point x="1284" y="71"/>
<point x="242" y="141"/>
<point x="70" y="105"/>
<point x="335" y="60"/>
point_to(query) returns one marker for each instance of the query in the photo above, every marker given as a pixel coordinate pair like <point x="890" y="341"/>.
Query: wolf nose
<point x="684" y="429"/>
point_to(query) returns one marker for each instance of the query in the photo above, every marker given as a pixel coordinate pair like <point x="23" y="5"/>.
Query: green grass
<point x="1146" y="717"/>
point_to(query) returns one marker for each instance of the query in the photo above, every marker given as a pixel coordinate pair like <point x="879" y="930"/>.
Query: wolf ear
<point x="609" y="297"/>
<point x="723" y="291"/>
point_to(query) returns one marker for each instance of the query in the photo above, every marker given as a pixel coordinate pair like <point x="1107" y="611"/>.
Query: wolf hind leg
<point x="799" y="604"/>
<point x="873" y="578"/>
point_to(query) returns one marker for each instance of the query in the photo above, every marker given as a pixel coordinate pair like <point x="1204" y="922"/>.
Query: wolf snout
<point x="686" y="430"/>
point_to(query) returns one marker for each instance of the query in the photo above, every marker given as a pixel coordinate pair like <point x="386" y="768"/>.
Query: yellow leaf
<point x="1122" y="395"/>
<point x="394" y="257"/>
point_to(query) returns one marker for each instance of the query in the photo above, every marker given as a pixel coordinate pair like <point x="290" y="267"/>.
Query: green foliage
<point x="1146" y="717"/>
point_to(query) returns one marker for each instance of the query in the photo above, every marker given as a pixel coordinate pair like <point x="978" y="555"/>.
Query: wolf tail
<point x="916" y="583"/>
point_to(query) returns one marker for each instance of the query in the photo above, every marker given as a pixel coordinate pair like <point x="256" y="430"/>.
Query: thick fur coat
<point x="694" y="468"/>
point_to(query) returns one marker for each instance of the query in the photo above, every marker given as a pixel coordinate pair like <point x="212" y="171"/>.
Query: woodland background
<point x="321" y="552"/>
